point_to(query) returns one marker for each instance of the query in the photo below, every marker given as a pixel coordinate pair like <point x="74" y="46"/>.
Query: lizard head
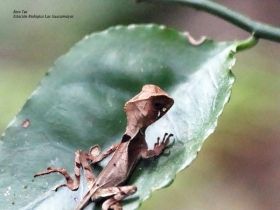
<point x="146" y="108"/>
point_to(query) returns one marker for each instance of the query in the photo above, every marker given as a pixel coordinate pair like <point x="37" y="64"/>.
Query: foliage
<point x="79" y="101"/>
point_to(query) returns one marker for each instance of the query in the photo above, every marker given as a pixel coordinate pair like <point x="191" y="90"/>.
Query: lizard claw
<point x="160" y="146"/>
<point x="157" y="143"/>
<point x="165" y="140"/>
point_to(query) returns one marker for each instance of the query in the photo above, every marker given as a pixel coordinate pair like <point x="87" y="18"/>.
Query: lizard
<point x="142" y="110"/>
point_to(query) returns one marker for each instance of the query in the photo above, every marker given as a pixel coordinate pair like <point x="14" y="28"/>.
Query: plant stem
<point x="257" y="29"/>
<point x="246" y="44"/>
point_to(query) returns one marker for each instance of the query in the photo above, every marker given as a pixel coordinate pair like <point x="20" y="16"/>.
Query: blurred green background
<point x="238" y="166"/>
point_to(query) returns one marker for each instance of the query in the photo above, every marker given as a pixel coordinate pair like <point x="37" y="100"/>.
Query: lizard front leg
<point x="158" y="147"/>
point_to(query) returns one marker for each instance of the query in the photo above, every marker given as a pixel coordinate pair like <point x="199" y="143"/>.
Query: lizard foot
<point x="160" y="146"/>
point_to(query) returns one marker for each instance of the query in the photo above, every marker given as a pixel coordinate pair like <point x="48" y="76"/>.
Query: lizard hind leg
<point x="73" y="184"/>
<point x="111" y="204"/>
<point x="70" y="183"/>
<point x="119" y="193"/>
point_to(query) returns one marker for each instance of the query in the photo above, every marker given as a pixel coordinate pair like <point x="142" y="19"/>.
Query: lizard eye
<point x="157" y="106"/>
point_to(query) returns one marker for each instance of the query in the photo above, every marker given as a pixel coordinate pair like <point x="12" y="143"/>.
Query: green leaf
<point x="80" y="103"/>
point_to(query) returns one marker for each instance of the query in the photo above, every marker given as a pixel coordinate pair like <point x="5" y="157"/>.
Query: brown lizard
<point x="142" y="110"/>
